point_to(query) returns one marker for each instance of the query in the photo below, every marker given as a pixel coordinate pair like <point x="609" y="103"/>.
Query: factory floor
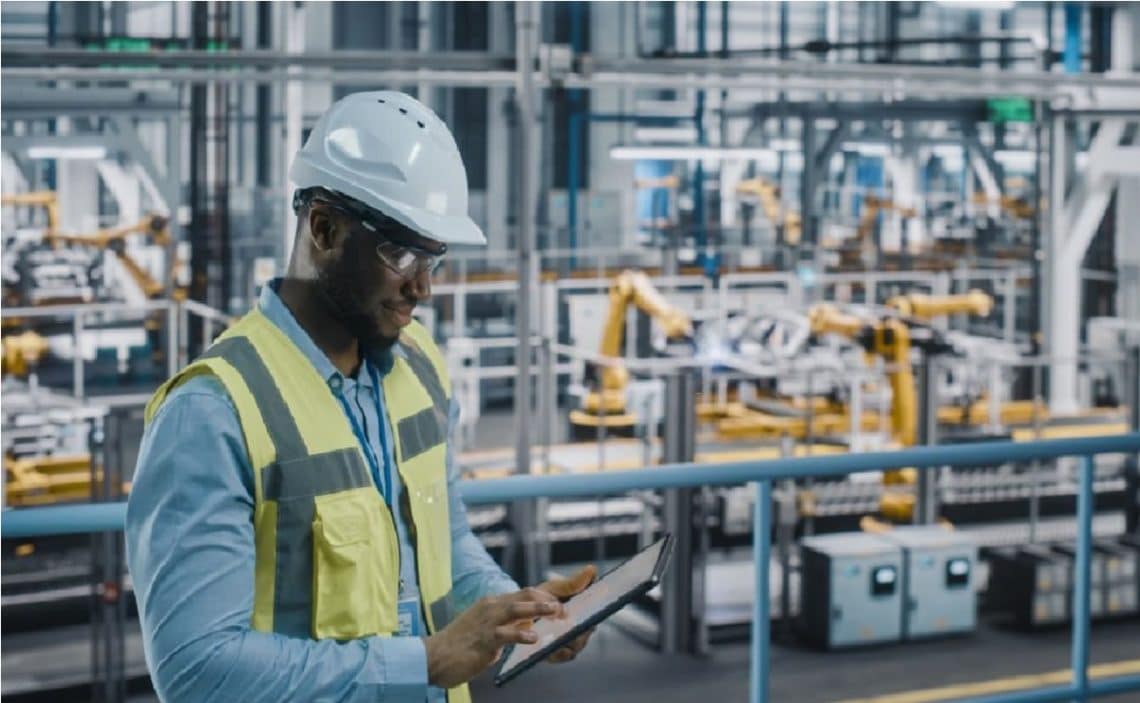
<point x="617" y="668"/>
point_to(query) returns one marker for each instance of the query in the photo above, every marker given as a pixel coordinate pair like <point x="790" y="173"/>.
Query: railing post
<point x="926" y="492"/>
<point x="761" y="622"/>
<point x="1082" y="579"/>
<point x="681" y="613"/>
<point x="183" y="335"/>
<point x="171" y="338"/>
<point x="77" y="349"/>
<point x="1132" y="463"/>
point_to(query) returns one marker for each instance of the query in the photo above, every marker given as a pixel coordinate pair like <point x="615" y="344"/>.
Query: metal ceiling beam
<point x="19" y="144"/>
<point x="893" y="81"/>
<point x="889" y="75"/>
<point x="33" y="103"/>
<point x="259" y="59"/>
<point x="905" y="110"/>
<point x="471" y="78"/>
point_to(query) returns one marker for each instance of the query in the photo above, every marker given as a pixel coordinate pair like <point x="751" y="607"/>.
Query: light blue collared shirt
<point x="190" y="551"/>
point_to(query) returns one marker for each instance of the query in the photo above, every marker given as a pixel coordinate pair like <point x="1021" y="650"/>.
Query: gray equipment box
<point x="1120" y="587"/>
<point x="1031" y="584"/>
<point x="1098" y="570"/>
<point x="1097" y="559"/>
<point x="938" y="568"/>
<point x="850" y="590"/>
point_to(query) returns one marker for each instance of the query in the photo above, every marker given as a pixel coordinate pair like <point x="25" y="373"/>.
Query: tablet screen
<point x="636" y="572"/>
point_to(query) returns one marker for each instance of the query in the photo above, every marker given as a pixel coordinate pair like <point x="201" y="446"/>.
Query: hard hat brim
<point x="449" y="229"/>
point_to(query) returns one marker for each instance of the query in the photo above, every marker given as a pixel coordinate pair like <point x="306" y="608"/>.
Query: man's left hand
<point x="563" y="589"/>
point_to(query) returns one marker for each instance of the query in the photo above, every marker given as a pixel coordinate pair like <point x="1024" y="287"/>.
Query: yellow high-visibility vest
<point x="328" y="556"/>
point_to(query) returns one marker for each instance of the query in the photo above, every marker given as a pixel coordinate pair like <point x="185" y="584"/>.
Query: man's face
<point x="368" y="296"/>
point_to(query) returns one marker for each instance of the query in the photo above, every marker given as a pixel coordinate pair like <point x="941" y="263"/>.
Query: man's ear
<point x="322" y="229"/>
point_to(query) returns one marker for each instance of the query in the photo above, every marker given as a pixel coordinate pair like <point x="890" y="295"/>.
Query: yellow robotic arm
<point x="926" y="307"/>
<point x="889" y="339"/>
<point x="768" y="194"/>
<point x="113" y="238"/>
<point x="630" y="287"/>
<point x="41" y="198"/>
<point x="22" y="352"/>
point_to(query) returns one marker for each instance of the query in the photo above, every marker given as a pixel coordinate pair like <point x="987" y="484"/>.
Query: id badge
<point x="408" y="610"/>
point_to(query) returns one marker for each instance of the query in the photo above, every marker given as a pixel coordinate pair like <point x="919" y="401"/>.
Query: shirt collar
<point x="271" y="305"/>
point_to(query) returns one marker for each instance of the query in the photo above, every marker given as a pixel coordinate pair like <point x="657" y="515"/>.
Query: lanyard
<point x="381" y="477"/>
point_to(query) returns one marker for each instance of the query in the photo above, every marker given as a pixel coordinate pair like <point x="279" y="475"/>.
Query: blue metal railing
<point x="106" y="517"/>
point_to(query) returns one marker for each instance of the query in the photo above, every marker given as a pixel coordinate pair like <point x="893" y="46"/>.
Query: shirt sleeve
<point x="190" y="551"/>
<point x="474" y="574"/>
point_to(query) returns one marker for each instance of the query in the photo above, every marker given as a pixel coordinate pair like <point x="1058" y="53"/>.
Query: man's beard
<point x="347" y="307"/>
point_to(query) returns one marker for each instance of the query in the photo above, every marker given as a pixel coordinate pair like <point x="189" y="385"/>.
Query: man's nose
<point x="419" y="286"/>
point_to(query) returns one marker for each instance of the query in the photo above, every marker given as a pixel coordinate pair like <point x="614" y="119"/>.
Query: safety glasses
<point x="394" y="251"/>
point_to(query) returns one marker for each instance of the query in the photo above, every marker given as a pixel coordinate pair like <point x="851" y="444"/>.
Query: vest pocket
<point x="355" y="566"/>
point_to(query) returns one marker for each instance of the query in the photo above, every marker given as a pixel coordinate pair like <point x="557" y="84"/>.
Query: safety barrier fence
<point x="85" y="518"/>
<point x="91" y="317"/>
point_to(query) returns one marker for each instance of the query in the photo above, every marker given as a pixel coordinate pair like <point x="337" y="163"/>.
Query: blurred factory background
<point x="718" y="232"/>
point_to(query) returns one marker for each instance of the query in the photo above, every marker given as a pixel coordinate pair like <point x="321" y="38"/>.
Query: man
<point x="294" y="532"/>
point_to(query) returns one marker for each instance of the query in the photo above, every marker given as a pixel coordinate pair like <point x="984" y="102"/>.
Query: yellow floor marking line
<point x="1013" y="683"/>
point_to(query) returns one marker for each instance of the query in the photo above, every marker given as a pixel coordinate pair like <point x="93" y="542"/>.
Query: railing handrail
<point x="99" y="517"/>
<point x="73" y="309"/>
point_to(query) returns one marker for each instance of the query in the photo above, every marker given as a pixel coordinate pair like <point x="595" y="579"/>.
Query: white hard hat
<point x="392" y="153"/>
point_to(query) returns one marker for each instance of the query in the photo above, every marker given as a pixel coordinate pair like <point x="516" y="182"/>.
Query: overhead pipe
<point x="824" y="45"/>
<point x="573" y="159"/>
<point x="699" y="233"/>
<point x="1072" y="52"/>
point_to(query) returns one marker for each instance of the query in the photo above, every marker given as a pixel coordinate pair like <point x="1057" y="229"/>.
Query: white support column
<point x="78" y="193"/>
<point x="1074" y="224"/>
<point x="904" y="176"/>
<point x="989" y="184"/>
<point x="499" y="31"/>
<point x="424" y="11"/>
<point x="294" y="44"/>
<point x="1062" y="302"/>
<point x="1125" y="36"/>
<point x="124" y="187"/>
<point x="1125" y="60"/>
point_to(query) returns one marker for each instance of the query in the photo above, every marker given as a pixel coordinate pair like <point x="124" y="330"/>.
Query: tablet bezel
<point x="612" y="607"/>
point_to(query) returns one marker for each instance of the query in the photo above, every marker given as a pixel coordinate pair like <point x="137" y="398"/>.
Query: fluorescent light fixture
<point x="947" y="151"/>
<point x="48" y="151"/>
<point x="1015" y="160"/>
<point x="979" y="4"/>
<point x="867" y="148"/>
<point x="658" y="135"/>
<point x="781" y="144"/>
<point x="687" y="153"/>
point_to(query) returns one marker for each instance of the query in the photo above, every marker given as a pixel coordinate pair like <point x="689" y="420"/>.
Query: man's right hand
<point x="475" y="640"/>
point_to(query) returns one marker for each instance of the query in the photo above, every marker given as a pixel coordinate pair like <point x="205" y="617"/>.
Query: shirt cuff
<point x="404" y="661"/>
<point x="502" y="585"/>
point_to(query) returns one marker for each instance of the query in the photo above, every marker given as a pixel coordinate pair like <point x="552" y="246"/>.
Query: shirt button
<point x="335" y="383"/>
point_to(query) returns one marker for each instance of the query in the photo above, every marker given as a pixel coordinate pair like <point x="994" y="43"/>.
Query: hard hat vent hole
<point x="421" y="124"/>
<point x="381" y="101"/>
<point x="403" y="111"/>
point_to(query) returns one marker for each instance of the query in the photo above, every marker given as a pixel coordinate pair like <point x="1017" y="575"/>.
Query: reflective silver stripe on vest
<point x="331" y="472"/>
<point x="425" y="372"/>
<point x="443" y="611"/>
<point x="292" y="481"/>
<point x="279" y="422"/>
<point x="419" y="433"/>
